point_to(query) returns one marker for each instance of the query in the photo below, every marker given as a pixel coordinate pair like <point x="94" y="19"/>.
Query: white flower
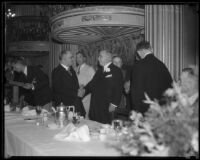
<point x="170" y="92"/>
<point x="134" y="152"/>
<point x="184" y="100"/>
<point x="195" y="141"/>
<point x="174" y="105"/>
<point x="133" y="115"/>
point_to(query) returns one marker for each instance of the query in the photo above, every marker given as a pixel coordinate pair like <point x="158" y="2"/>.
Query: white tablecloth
<point x="24" y="138"/>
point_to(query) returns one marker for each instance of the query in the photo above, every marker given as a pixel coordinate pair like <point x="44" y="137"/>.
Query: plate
<point x="30" y="120"/>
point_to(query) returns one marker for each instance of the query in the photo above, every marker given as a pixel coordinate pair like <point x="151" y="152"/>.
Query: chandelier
<point x="9" y="14"/>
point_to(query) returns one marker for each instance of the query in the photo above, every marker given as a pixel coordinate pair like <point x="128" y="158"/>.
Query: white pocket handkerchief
<point x="110" y="75"/>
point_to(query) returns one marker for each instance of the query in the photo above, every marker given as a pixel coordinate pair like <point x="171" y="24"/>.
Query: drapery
<point x="125" y="47"/>
<point x="163" y="28"/>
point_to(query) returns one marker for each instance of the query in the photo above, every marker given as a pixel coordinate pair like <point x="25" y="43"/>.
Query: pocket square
<point x="110" y="75"/>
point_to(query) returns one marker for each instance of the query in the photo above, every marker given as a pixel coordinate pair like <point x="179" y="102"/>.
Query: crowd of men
<point x="100" y="95"/>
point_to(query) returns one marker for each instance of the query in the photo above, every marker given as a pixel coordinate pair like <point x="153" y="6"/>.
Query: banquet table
<point x="25" y="138"/>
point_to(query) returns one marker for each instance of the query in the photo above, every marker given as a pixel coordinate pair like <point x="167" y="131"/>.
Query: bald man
<point x="105" y="88"/>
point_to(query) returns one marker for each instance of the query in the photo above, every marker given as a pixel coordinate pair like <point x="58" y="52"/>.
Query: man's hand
<point x="81" y="91"/>
<point x="127" y="86"/>
<point x="28" y="86"/>
<point x="111" y="108"/>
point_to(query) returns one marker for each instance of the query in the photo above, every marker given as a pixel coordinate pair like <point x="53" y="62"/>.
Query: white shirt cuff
<point x="33" y="87"/>
<point x="114" y="105"/>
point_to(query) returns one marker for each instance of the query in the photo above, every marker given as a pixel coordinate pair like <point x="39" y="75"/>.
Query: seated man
<point x="35" y="81"/>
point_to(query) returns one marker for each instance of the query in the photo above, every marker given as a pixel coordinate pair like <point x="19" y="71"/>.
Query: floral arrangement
<point x="175" y="123"/>
<point x="169" y="128"/>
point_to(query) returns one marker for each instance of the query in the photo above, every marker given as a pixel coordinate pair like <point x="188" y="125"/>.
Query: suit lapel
<point x="66" y="73"/>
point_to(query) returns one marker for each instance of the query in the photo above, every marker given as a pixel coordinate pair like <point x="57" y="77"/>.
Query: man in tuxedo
<point x="85" y="74"/>
<point x="106" y="88"/>
<point x="65" y="83"/>
<point x="149" y="75"/>
<point x="36" y="82"/>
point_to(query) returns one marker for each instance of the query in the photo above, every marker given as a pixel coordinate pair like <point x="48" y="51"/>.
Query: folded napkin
<point x="27" y="112"/>
<point x="72" y="133"/>
<point x="7" y="108"/>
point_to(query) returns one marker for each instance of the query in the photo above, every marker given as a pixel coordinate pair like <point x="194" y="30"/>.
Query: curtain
<point x="125" y="47"/>
<point x="163" y="29"/>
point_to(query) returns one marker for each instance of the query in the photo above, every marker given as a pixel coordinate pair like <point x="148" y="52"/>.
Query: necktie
<point x="78" y="71"/>
<point x="69" y="71"/>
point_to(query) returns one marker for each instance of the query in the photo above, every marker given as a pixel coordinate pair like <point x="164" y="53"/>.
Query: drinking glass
<point x="38" y="110"/>
<point x="117" y="126"/>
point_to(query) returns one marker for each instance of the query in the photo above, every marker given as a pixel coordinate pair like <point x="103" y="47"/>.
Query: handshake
<point x="81" y="91"/>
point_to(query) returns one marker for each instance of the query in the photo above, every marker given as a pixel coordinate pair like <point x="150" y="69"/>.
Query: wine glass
<point x="117" y="126"/>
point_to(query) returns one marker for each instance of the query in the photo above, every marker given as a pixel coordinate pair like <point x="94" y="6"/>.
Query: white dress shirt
<point x="106" y="66"/>
<point x="85" y="74"/>
<point x="66" y="67"/>
<point x="25" y="70"/>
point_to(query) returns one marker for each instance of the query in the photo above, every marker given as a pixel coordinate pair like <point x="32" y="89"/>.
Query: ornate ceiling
<point x="93" y="24"/>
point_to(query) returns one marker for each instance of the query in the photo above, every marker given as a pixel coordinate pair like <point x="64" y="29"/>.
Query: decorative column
<point x="163" y="28"/>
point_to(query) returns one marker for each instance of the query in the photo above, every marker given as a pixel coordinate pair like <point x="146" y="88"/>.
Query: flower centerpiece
<point x="169" y="128"/>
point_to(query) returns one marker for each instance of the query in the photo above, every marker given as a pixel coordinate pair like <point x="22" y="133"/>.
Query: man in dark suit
<point x="35" y="81"/>
<point x="149" y="75"/>
<point x="65" y="84"/>
<point x="106" y="88"/>
<point x="123" y="110"/>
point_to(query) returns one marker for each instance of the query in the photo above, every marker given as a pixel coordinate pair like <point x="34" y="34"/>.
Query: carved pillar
<point x="163" y="28"/>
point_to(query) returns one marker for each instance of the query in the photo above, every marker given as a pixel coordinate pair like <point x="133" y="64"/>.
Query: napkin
<point x="45" y="111"/>
<point x="31" y="112"/>
<point x="7" y="108"/>
<point x="27" y="112"/>
<point x="53" y="126"/>
<point x="72" y="133"/>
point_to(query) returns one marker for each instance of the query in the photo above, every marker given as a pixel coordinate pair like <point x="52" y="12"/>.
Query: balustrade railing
<point x="27" y="28"/>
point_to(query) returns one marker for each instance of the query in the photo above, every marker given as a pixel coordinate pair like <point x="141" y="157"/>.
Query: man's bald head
<point x="104" y="57"/>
